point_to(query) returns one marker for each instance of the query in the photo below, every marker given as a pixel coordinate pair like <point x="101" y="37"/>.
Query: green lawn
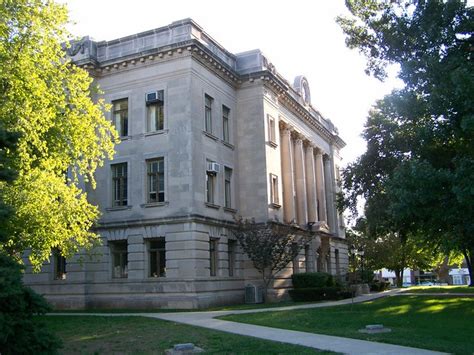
<point x="139" y="335"/>
<point x="232" y="307"/>
<point x="443" y="323"/>
<point x="439" y="289"/>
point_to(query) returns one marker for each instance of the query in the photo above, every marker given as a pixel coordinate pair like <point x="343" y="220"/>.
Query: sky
<point x="300" y="37"/>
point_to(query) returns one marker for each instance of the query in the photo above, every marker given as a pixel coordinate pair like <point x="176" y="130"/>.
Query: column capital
<point x="318" y="151"/>
<point x="283" y="125"/>
<point x="308" y="144"/>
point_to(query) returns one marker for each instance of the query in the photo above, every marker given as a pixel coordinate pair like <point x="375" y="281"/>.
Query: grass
<point x="162" y="310"/>
<point x="439" y="289"/>
<point x="443" y="323"/>
<point x="140" y="335"/>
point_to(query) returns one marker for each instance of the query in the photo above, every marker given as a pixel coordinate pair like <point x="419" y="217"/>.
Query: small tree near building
<point x="271" y="246"/>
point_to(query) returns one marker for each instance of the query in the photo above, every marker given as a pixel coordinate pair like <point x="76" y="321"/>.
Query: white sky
<point x="299" y="37"/>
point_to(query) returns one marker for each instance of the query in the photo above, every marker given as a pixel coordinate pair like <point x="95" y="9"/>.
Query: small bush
<point x="312" y="280"/>
<point x="378" y="286"/>
<point x="319" y="294"/>
<point x="20" y="331"/>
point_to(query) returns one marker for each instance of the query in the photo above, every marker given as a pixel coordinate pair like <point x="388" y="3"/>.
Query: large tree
<point x="63" y="132"/>
<point x="426" y="146"/>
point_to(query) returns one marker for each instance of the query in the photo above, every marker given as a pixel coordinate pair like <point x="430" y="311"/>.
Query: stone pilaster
<point x="287" y="174"/>
<point x="320" y="186"/>
<point x="300" y="184"/>
<point x="311" y="197"/>
<point x="330" y="194"/>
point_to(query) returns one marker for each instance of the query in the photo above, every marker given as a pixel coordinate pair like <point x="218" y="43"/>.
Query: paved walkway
<point x="317" y="341"/>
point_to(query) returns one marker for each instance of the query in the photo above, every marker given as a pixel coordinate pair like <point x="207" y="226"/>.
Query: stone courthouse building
<point x="206" y="135"/>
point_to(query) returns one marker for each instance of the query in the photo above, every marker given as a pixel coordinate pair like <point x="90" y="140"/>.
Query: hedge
<point x="312" y="280"/>
<point x="318" y="294"/>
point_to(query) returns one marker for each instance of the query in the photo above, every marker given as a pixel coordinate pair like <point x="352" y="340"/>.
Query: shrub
<point x="378" y="286"/>
<point x="319" y="294"/>
<point x="312" y="280"/>
<point x="20" y="331"/>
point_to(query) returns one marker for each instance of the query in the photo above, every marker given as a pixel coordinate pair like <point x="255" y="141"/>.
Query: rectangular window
<point x="231" y="254"/>
<point x="210" y="182"/>
<point x="213" y="256"/>
<point x="157" y="256"/>
<point x="59" y="265"/>
<point x="225" y="124"/>
<point x="156" y="180"/>
<point x="208" y="113"/>
<point x="120" y="116"/>
<point x="119" y="184"/>
<point x="119" y="259"/>
<point x="228" y="187"/>
<point x="274" y="189"/>
<point x="271" y="129"/>
<point x="155" y="111"/>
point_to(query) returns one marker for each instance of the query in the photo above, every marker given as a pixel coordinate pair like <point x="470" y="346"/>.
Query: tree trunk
<point x="468" y="256"/>
<point x="398" y="277"/>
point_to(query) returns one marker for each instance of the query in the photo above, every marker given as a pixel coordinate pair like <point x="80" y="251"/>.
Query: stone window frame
<point x="119" y="255"/>
<point x="163" y="176"/>
<point x="228" y="187"/>
<point x="208" y="108"/>
<point x="213" y="256"/>
<point x="231" y="256"/>
<point x="161" y="255"/>
<point x="271" y="130"/>
<point x="120" y="112"/>
<point x="274" y="191"/>
<point x="59" y="265"/>
<point x="122" y="202"/>
<point x="226" y="124"/>
<point x="211" y="186"/>
<point x="148" y="130"/>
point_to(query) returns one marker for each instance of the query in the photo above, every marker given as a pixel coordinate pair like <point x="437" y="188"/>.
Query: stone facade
<point x="207" y="135"/>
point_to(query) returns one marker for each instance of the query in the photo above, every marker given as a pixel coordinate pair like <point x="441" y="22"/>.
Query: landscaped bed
<point x="105" y="335"/>
<point x="443" y="324"/>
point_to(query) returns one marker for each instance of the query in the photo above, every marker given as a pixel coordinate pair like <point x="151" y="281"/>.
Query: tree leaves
<point x="47" y="100"/>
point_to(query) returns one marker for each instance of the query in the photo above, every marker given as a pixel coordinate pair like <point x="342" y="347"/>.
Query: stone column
<point x="287" y="174"/>
<point x="330" y="194"/>
<point x="311" y="197"/>
<point x="300" y="184"/>
<point x="320" y="186"/>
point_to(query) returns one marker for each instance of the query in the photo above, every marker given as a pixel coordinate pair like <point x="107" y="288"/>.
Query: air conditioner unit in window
<point x="213" y="168"/>
<point x="154" y="96"/>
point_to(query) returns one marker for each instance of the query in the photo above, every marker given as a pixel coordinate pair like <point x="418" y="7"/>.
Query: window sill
<point x="124" y="138"/>
<point x="210" y="135"/>
<point x="155" y="133"/>
<point x="154" y="204"/>
<point x="275" y="205"/>
<point x="211" y="205"/>
<point x="230" y="210"/>
<point x="272" y="144"/>
<point x="118" y="208"/>
<point x="228" y="145"/>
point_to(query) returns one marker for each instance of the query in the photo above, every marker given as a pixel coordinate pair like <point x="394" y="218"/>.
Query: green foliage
<point x="379" y="286"/>
<point x="318" y="294"/>
<point x="47" y="100"/>
<point x="417" y="173"/>
<point x="20" y="331"/>
<point x="312" y="280"/>
<point x="271" y="246"/>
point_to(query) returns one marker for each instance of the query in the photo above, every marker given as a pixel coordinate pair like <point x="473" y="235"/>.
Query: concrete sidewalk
<point x="317" y="341"/>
